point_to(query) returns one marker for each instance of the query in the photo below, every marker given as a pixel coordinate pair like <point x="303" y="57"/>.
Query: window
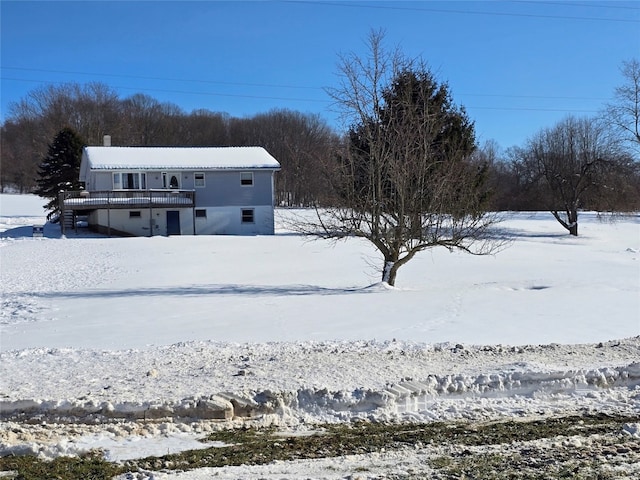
<point x="133" y="214"/>
<point x="201" y="213"/>
<point x="246" y="179"/>
<point x="198" y="180"/>
<point x="247" y="215"/>
<point x="129" y="181"/>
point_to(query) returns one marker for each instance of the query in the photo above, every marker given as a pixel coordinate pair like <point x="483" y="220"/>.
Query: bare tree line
<point x="310" y="151"/>
<point x="300" y="142"/>
<point x="588" y="163"/>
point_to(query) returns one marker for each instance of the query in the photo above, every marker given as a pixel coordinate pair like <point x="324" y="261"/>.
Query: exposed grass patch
<point x="90" y="466"/>
<point x="240" y="435"/>
<point x="567" y="464"/>
<point x="260" y="446"/>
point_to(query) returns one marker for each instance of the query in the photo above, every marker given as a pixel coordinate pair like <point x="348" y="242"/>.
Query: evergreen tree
<point x="60" y="169"/>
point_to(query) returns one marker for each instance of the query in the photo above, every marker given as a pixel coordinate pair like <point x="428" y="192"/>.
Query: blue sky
<point x="516" y="66"/>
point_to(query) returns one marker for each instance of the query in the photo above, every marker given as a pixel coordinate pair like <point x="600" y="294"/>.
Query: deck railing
<point x="90" y="200"/>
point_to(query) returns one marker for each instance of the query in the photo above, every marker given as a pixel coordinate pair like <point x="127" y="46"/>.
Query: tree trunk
<point x="389" y="272"/>
<point x="573" y="229"/>
<point x="572" y="221"/>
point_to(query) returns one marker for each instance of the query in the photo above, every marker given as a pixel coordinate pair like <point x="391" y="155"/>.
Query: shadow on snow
<point x="218" y="290"/>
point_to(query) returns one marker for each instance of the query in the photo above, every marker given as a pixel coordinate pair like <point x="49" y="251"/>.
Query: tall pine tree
<point x="60" y="169"/>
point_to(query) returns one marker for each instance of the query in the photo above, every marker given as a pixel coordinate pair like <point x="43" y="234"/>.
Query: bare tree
<point x="92" y="110"/>
<point x="574" y="162"/>
<point x="96" y="109"/>
<point x="624" y="112"/>
<point x="519" y="187"/>
<point x="147" y="122"/>
<point x="19" y="156"/>
<point x="404" y="180"/>
<point x="203" y="128"/>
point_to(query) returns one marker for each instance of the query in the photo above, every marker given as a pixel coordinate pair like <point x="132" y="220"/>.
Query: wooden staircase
<point x="68" y="221"/>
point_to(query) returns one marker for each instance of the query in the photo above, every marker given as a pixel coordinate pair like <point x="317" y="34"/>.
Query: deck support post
<point x="150" y="214"/>
<point x="108" y="215"/>
<point x="61" y="206"/>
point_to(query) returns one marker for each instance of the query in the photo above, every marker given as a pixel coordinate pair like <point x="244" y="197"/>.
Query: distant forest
<point x="306" y="146"/>
<point x="300" y="142"/>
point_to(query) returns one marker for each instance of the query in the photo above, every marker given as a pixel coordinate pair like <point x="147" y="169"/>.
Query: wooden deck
<point x="84" y="200"/>
<point x="74" y="203"/>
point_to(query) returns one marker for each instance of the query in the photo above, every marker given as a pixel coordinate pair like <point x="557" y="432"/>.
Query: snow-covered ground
<point x="284" y="330"/>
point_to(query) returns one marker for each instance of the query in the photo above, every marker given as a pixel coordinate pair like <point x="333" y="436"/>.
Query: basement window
<point x="201" y="213"/>
<point x="247" y="215"/>
<point x="135" y="214"/>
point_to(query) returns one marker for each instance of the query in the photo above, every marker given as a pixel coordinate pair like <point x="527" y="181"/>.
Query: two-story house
<point x="146" y="191"/>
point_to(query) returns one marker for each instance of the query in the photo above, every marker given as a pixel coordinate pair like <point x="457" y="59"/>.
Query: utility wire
<point x="216" y="82"/>
<point x="179" y="91"/>
<point x="328" y="102"/>
<point x="264" y="85"/>
<point x="465" y="12"/>
<point x="607" y="5"/>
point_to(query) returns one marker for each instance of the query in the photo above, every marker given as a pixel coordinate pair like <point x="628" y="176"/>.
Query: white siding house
<point x="145" y="191"/>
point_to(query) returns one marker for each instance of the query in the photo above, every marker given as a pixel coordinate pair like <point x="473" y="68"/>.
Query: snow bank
<point x="185" y="386"/>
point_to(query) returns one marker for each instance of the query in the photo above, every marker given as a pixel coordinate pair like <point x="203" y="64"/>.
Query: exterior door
<point x="171" y="180"/>
<point x="173" y="222"/>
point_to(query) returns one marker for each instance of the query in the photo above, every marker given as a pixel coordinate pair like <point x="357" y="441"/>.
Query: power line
<point x="526" y="109"/>
<point x="216" y="82"/>
<point x="537" y="97"/>
<point x="327" y="102"/>
<point x="608" y="6"/>
<point x="266" y="85"/>
<point x="184" y="92"/>
<point x="464" y="12"/>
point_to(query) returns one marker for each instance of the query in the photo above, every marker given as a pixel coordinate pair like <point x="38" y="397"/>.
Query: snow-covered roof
<point x="177" y="158"/>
